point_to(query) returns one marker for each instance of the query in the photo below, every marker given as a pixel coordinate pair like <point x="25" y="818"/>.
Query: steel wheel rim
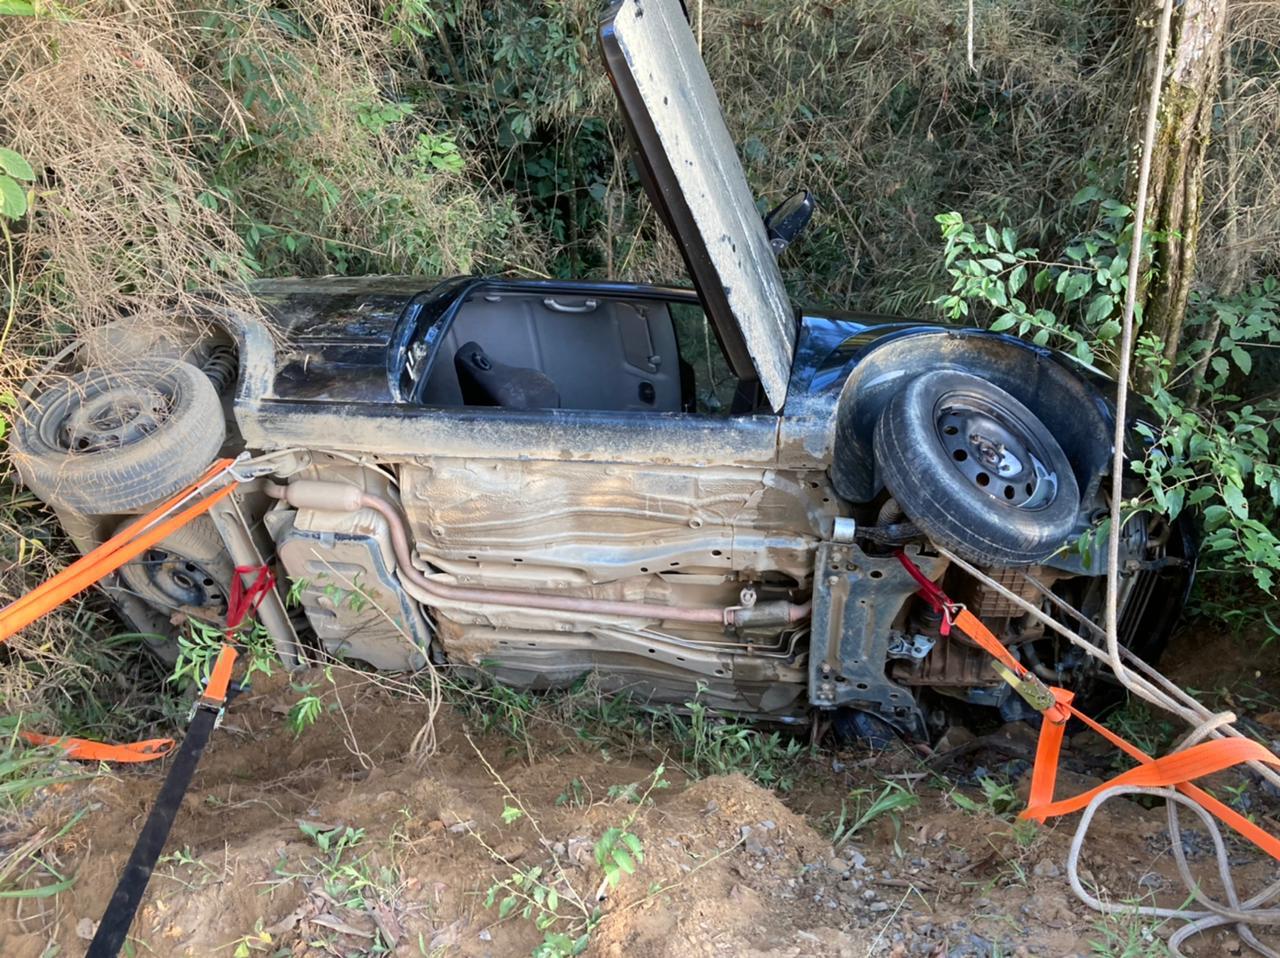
<point x="183" y="582"/>
<point x="100" y="416"/>
<point x="995" y="450"/>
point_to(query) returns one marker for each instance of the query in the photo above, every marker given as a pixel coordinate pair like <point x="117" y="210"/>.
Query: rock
<point x="856" y="858"/>
<point x="511" y="851"/>
<point x="954" y="737"/>
<point x="768" y="825"/>
<point x="751" y="841"/>
<point x="1046" y="868"/>
<point x="86" y="928"/>
<point x="579" y="850"/>
<point x="879" y="906"/>
<point x="838" y="865"/>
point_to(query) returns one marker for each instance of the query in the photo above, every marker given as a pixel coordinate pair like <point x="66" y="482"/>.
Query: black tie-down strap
<point x="120" y="911"/>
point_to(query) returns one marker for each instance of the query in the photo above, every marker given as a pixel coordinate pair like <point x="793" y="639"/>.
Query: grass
<point x="33" y="820"/>
<point x="891" y="800"/>
<point x="1135" y="720"/>
<point x="1127" y="935"/>
<point x="695" y="738"/>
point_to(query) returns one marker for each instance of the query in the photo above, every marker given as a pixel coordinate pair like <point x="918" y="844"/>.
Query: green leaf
<point x="1041" y="337"/>
<point x="624" y="860"/>
<point x="1099" y="309"/>
<point x="1076" y="286"/>
<point x="965" y="802"/>
<point x="1010" y="239"/>
<point x="1043" y="280"/>
<point x="508" y="905"/>
<point x="13" y="200"/>
<point x="1214" y="516"/>
<point x="1017" y="278"/>
<point x="1086" y="195"/>
<point x="510" y="814"/>
<point x="1108" y="331"/>
<point x="1242" y="359"/>
<point x="12" y="163"/>
<point x="17" y="8"/>
<point x="1233" y="496"/>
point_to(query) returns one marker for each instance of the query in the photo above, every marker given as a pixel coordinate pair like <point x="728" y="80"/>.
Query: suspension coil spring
<point x="221" y="367"/>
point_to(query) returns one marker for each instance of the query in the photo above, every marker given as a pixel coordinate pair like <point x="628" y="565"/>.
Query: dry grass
<point x="158" y="159"/>
<point x="100" y="103"/>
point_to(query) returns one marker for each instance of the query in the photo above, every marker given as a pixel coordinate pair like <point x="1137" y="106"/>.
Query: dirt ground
<point x="335" y="842"/>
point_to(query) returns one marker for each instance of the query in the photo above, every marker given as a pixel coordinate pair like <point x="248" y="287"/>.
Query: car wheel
<point x="188" y="572"/>
<point x="976" y="470"/>
<point x="114" y="440"/>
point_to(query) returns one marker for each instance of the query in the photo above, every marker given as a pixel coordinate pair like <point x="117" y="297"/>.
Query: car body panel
<point x="636" y="536"/>
<point x="691" y="170"/>
<point x="341" y="348"/>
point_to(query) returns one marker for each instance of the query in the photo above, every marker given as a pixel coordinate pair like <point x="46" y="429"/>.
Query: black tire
<point x="114" y="440"/>
<point x="188" y="572"/>
<point x="975" y="470"/>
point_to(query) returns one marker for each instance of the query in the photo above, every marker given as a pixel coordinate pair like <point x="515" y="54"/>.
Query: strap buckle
<point x="1028" y="685"/>
<point x="214" y="697"/>
<point x="207" y="704"/>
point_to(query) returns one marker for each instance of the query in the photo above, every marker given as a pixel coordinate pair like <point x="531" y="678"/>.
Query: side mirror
<point x="788" y="219"/>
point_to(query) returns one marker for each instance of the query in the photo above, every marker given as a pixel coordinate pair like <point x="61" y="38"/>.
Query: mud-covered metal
<point x="856" y="598"/>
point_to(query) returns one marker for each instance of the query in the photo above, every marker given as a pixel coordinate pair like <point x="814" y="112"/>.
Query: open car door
<point x="691" y="171"/>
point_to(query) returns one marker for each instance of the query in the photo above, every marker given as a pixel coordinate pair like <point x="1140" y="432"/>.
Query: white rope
<point x="969" y="37"/>
<point x="1126" y="351"/>
<point x="1161" y="691"/>
<point x="1212" y="913"/>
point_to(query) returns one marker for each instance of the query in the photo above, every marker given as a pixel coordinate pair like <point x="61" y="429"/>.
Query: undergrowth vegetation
<point x="694" y="738"/>
<point x="149" y="152"/>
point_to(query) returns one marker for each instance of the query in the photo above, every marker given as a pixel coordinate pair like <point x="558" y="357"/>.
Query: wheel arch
<point x="1074" y="410"/>
<point x="255" y="342"/>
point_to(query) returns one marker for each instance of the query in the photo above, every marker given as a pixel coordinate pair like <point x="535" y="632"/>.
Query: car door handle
<point x="587" y="306"/>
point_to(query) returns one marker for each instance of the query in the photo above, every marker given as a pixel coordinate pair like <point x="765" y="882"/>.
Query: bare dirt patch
<point x="335" y="842"/>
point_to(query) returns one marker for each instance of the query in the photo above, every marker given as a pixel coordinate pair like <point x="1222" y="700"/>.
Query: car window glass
<point x="714" y="383"/>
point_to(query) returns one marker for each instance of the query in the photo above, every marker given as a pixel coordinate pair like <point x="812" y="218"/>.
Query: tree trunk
<point x="1177" y="167"/>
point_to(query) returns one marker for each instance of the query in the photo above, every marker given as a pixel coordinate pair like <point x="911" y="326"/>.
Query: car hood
<point x="690" y="169"/>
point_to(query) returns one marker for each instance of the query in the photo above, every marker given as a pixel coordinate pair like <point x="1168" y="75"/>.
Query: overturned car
<point x="684" y="492"/>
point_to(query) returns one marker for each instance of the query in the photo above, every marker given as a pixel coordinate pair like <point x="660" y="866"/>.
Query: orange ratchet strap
<point x="90" y="751"/>
<point x="122" y="547"/>
<point x="96" y="565"/>
<point x="1178" y="769"/>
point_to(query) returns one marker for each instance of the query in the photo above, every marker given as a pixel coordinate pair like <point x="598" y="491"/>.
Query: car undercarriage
<point x="686" y="494"/>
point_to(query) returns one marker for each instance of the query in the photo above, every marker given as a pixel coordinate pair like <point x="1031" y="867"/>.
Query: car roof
<point x="691" y="171"/>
